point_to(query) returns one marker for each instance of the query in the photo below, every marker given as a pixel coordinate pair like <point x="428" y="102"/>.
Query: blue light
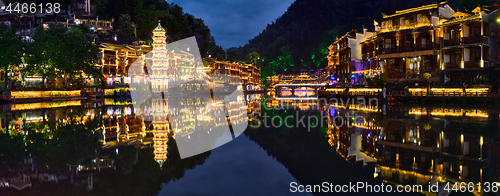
<point x="369" y="60"/>
<point x="332" y="78"/>
<point x="353" y="75"/>
<point x="332" y="111"/>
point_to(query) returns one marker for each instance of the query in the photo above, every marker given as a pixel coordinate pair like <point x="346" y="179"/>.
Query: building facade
<point x="408" y="41"/>
<point x="346" y="59"/>
<point x="248" y="74"/>
<point x="466" y="46"/>
<point x="452" y="46"/>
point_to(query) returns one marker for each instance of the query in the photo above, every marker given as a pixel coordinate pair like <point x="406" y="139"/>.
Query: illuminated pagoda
<point x="159" y="60"/>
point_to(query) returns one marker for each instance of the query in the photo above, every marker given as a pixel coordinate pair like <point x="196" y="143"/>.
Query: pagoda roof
<point x="159" y="28"/>
<point x="460" y="17"/>
<point x="110" y="46"/>
<point x="93" y="18"/>
<point x="160" y="161"/>
<point x="416" y="9"/>
<point x="460" y="14"/>
<point x="480" y="9"/>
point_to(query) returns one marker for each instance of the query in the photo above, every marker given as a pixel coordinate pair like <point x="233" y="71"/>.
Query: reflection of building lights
<point x="296" y="98"/>
<point x="357" y="107"/>
<point x="451" y="112"/>
<point x="449" y="90"/>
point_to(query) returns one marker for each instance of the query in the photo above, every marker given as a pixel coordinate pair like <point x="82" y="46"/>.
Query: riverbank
<point x="417" y="95"/>
<point x="21" y="97"/>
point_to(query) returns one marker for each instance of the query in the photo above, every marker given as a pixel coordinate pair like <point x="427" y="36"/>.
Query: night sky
<point x="234" y="22"/>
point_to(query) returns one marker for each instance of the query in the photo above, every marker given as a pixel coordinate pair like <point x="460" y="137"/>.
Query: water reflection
<point x="92" y="144"/>
<point x="108" y="147"/>
<point x="419" y="145"/>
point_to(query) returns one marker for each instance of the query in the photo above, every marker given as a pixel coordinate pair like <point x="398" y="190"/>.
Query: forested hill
<point x="300" y="37"/>
<point x="144" y="15"/>
<point x="135" y="20"/>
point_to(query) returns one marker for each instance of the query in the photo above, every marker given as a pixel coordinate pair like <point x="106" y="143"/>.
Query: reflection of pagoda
<point x="160" y="137"/>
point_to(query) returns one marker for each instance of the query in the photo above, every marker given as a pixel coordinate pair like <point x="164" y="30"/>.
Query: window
<point x="486" y="27"/>
<point x="475" y="31"/>
<point x="387" y="43"/>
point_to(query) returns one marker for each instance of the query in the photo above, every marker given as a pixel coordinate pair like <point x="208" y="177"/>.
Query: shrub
<point x="407" y="89"/>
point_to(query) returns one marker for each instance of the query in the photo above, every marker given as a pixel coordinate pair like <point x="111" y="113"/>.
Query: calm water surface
<point x="105" y="148"/>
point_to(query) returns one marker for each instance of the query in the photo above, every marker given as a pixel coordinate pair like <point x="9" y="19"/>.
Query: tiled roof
<point x="145" y="48"/>
<point x="463" y="19"/>
<point x="159" y="27"/>
<point x="460" y="17"/>
<point x="416" y="9"/>
<point x="459" y="14"/>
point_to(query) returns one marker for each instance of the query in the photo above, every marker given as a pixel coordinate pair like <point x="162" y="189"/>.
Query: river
<point x="106" y="148"/>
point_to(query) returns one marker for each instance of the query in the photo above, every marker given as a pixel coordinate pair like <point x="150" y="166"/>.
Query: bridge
<point x="297" y="91"/>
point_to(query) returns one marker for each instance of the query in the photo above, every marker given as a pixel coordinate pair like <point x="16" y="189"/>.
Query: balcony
<point x="452" y="42"/>
<point x="369" y="55"/>
<point x="408" y="48"/>
<point x="388" y="50"/>
<point x="405" y="26"/>
<point x="473" y="64"/>
<point x="449" y="65"/>
<point x="475" y="40"/>
<point x="428" y="46"/>
<point x="344" y="58"/>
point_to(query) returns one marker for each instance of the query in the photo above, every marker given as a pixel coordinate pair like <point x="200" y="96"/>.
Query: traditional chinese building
<point x="333" y="61"/>
<point x="466" y="46"/>
<point x="95" y="23"/>
<point x="115" y="60"/>
<point x="427" y="39"/>
<point x="408" y="41"/>
<point x="158" y="61"/>
<point x="347" y="52"/>
<point x="371" y="64"/>
<point x="233" y="73"/>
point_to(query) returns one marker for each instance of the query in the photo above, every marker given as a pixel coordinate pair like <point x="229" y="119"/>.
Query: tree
<point x="57" y="51"/>
<point x="11" y="51"/>
<point x="428" y="76"/>
<point x="232" y="55"/>
<point x="56" y="144"/>
<point x="44" y="52"/>
<point x="378" y="80"/>
<point x="253" y="57"/>
<point x="126" y="28"/>
<point x="78" y="55"/>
